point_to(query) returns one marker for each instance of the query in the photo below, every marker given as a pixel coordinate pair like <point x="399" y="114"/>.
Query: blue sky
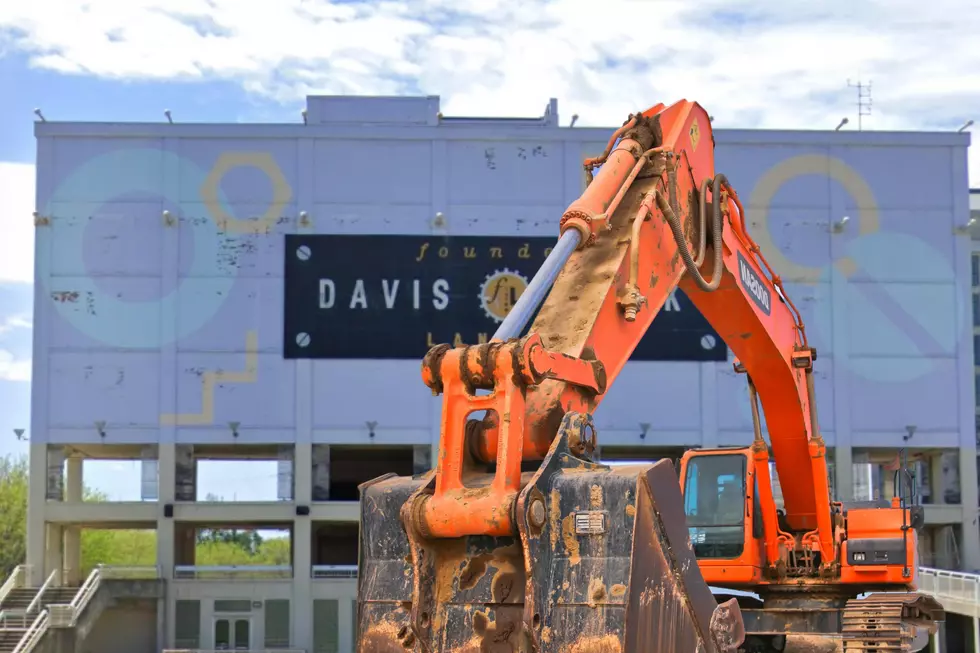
<point x="753" y="64"/>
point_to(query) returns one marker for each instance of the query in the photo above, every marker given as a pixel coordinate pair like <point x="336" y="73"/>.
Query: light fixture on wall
<point x="966" y="125"/>
<point x="910" y="431"/>
<point x="234" y="428"/>
<point x="170" y="119"/>
<point x="168" y="219"/>
<point x="644" y="427"/>
<point x="303" y="112"/>
<point x="843" y="122"/>
<point x="100" y="427"/>
<point x="37" y="112"/>
<point x="838" y="226"/>
<point x="20" y="434"/>
<point x="371" y="426"/>
<point x="965" y="228"/>
<point x="574" y="120"/>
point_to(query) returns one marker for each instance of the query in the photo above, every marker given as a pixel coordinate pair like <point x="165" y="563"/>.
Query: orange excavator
<point x="521" y="540"/>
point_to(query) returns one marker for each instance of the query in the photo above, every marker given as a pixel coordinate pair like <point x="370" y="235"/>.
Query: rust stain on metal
<point x="554" y="517"/>
<point x="500" y="635"/>
<point x="381" y="638"/>
<point x="618" y="589"/>
<point x="595" y="497"/>
<point x="597" y="591"/>
<point x="630" y="510"/>
<point x="473" y="571"/>
<point x="605" y="644"/>
<point x="570" y="539"/>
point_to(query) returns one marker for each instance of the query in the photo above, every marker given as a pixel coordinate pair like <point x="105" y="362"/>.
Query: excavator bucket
<point x="602" y="563"/>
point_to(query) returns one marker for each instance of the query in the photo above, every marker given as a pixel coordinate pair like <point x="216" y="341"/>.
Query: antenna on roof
<point x="863" y="99"/>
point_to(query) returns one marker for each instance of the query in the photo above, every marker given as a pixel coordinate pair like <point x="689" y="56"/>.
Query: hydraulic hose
<point x="716" y="231"/>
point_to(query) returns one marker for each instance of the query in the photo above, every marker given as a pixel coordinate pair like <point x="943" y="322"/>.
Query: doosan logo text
<point x="753" y="284"/>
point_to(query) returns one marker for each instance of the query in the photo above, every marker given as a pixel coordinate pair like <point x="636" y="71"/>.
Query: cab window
<point x="714" y="504"/>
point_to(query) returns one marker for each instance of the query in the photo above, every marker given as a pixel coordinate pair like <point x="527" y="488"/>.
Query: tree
<point x="13" y="513"/>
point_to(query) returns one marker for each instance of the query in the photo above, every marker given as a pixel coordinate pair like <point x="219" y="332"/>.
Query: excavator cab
<point x="723" y="513"/>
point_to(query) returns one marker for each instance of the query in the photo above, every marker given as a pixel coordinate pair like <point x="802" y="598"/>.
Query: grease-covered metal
<point x="629" y="586"/>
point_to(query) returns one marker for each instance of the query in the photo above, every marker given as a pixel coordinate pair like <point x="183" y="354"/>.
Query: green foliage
<point x="13" y="513"/>
<point x="122" y="547"/>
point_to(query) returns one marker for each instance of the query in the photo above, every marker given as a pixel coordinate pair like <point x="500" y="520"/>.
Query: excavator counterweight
<point x="521" y="540"/>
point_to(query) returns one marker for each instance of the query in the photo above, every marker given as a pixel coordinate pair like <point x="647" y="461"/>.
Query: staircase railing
<point x="34" y="634"/>
<point x="34" y="605"/>
<point x="66" y="615"/>
<point x="16" y="580"/>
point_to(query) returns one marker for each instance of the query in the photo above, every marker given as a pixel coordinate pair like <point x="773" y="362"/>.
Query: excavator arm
<point x="520" y="539"/>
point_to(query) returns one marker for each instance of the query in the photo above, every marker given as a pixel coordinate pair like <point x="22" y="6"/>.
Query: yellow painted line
<point x="211" y="378"/>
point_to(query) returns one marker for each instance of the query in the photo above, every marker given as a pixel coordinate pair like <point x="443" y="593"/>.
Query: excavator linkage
<point x="602" y="563"/>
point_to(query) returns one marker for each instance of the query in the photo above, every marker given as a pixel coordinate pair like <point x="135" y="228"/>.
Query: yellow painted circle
<point x="281" y="192"/>
<point x="797" y="166"/>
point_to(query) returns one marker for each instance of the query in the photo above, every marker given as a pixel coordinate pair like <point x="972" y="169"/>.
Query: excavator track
<point x="889" y="622"/>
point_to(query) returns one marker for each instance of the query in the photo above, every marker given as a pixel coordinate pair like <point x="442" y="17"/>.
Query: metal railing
<point x="34" y="634"/>
<point x="22" y="615"/>
<point x="959" y="592"/>
<point x="16" y="580"/>
<point x="334" y="571"/>
<point x="66" y="615"/>
<point x="233" y="572"/>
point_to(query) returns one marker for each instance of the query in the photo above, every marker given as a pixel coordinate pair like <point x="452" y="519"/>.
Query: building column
<point x="37" y="535"/>
<point x="970" y="499"/>
<point x="166" y="484"/>
<point x="302" y="599"/>
<point x="844" y="473"/>
<point x="54" y="553"/>
<point x="74" y="481"/>
<point x="345" y="617"/>
<point x="301" y="608"/>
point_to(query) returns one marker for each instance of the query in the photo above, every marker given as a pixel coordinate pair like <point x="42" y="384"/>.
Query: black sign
<point x="395" y="297"/>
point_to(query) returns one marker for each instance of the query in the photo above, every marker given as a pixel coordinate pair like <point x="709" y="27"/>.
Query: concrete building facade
<point x="186" y="310"/>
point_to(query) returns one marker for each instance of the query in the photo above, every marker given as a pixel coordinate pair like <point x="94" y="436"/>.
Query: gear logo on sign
<point x="500" y="291"/>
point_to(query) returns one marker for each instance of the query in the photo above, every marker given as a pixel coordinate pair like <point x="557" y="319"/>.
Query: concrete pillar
<point x="37" y="481"/>
<point x="54" y="553"/>
<point x="312" y="481"/>
<point x="74" y="483"/>
<point x="320" y="470"/>
<point x="166" y="459"/>
<point x="302" y="604"/>
<point x="970" y="498"/>
<point x="185" y="544"/>
<point x="844" y="472"/>
<point x="937" y="485"/>
<point x="345" y="617"/>
<point x="303" y="473"/>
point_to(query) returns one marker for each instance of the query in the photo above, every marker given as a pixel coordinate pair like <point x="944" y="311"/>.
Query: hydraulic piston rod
<point x="537" y="290"/>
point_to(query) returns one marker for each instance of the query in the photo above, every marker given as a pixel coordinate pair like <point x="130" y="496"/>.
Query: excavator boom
<point x="520" y="539"/>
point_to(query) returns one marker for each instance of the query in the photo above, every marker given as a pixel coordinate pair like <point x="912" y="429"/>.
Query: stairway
<point x="10" y="637"/>
<point x="18" y="601"/>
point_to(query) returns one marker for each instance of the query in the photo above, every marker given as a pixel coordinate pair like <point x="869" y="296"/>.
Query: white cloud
<point x="750" y="63"/>
<point x="16" y="222"/>
<point x="8" y="324"/>
<point x="14" y="369"/>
